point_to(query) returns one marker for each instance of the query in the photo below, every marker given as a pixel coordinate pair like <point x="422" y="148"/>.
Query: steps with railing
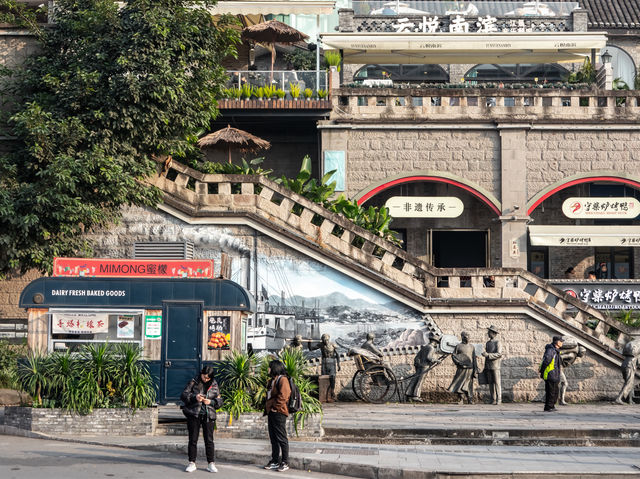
<point x="285" y="214"/>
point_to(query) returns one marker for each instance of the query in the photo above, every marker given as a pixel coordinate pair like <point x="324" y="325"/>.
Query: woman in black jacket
<point x="201" y="398"/>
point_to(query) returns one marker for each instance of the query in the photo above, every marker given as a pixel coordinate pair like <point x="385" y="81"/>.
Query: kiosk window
<point x="71" y="329"/>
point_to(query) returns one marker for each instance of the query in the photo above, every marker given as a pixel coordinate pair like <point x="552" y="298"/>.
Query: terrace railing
<point x="265" y="203"/>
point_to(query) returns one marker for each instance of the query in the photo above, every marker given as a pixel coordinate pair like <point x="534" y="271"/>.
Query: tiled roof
<point x="613" y="13"/>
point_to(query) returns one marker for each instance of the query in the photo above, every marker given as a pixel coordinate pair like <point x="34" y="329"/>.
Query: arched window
<point x="403" y="73"/>
<point x="523" y="72"/>
<point x="622" y="64"/>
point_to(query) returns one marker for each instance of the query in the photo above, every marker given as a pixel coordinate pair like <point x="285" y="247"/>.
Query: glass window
<point x="538" y="262"/>
<point x="403" y="73"/>
<point x="613" y="263"/>
<point x="621" y="64"/>
<point x="524" y="72"/>
<point x="71" y="329"/>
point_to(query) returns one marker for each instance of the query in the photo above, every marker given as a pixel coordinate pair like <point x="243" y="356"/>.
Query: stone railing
<point x="464" y="105"/>
<point x="277" y="104"/>
<point x="338" y="239"/>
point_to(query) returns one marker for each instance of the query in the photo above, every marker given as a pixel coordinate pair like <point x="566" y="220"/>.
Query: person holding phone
<point x="201" y="398"/>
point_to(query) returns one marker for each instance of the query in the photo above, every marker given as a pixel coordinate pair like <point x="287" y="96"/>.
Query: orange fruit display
<point x="218" y="340"/>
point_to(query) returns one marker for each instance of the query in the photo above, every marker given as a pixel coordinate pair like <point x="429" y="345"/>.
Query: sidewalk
<point x="367" y="460"/>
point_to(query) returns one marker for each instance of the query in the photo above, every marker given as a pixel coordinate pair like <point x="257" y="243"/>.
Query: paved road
<point x="24" y="458"/>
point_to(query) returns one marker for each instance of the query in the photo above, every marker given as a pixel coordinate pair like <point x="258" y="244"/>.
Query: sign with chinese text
<point x="218" y="332"/>
<point x="610" y="208"/>
<point x="579" y="235"/>
<point x="599" y="295"/>
<point x="153" y="327"/>
<point x="80" y="323"/>
<point x="425" y="206"/>
<point x="132" y="268"/>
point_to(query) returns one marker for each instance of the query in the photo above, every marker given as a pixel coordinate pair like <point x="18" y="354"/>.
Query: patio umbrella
<point x="233" y="138"/>
<point x="272" y="32"/>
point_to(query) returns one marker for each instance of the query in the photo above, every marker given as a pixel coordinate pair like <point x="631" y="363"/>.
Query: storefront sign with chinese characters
<point x="219" y="332"/>
<point x="79" y="323"/>
<point x="604" y="295"/>
<point x="132" y="268"/>
<point x="461" y="24"/>
<point x="425" y="206"/>
<point x="610" y="208"/>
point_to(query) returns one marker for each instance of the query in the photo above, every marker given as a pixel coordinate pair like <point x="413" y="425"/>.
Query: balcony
<point x="469" y="105"/>
<point x="285" y="90"/>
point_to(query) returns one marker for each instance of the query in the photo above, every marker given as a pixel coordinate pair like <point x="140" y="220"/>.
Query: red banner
<point x="132" y="268"/>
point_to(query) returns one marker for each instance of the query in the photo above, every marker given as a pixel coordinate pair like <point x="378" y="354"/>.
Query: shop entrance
<point x="459" y="248"/>
<point x="181" y="356"/>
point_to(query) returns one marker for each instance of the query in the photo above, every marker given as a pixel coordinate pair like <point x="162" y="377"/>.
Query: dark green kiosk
<point x="180" y="323"/>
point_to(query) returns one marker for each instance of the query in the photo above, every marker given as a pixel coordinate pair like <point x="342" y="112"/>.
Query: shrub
<point x="9" y="355"/>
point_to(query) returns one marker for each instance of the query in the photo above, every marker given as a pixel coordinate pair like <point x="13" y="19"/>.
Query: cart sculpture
<point x="375" y="382"/>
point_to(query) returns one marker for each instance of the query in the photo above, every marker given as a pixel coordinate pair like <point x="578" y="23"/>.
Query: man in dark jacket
<point x="550" y="369"/>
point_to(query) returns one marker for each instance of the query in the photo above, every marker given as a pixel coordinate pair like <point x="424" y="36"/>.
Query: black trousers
<point x="277" y="423"/>
<point x="193" y="426"/>
<point x="551" y="389"/>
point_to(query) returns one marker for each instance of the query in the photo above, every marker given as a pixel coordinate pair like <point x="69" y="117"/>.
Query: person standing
<point x="276" y="410"/>
<point x="464" y="357"/>
<point x="330" y="363"/>
<point x="425" y="358"/>
<point x="201" y="398"/>
<point x="550" y="369"/>
<point x="492" y="362"/>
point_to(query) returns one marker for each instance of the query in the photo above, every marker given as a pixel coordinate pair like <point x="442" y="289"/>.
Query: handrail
<point x="199" y="194"/>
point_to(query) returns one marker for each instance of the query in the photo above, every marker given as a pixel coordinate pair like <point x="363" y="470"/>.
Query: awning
<point x="592" y="235"/>
<point x="269" y="7"/>
<point x="465" y="47"/>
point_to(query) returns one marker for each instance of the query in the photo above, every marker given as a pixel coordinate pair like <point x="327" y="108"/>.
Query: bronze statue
<point x="425" y="358"/>
<point x="493" y="359"/>
<point x="628" y="369"/>
<point x="369" y="346"/>
<point x="569" y="352"/>
<point x="330" y="363"/>
<point x="464" y="357"/>
<point x="296" y="343"/>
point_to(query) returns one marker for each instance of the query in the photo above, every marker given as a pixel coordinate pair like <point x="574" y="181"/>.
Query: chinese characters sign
<point x="80" y="323"/>
<point x="605" y="296"/>
<point x="425" y="206"/>
<point x="132" y="268"/>
<point x="618" y="208"/>
<point x="584" y="235"/>
<point x="218" y="332"/>
<point x="458" y="24"/>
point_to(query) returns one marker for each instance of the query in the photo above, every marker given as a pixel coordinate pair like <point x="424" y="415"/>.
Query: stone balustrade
<point x="264" y="201"/>
<point x="474" y="105"/>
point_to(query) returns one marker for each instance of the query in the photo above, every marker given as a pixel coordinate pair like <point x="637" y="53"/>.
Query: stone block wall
<point x="590" y="378"/>
<point x="111" y="422"/>
<point x="254" y="426"/>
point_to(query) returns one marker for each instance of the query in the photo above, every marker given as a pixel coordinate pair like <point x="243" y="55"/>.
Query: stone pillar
<point x="345" y="20"/>
<point x="579" y="19"/>
<point x="514" y="218"/>
<point x="604" y="77"/>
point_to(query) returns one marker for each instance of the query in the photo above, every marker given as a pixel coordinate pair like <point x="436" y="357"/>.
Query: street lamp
<point x="606" y="57"/>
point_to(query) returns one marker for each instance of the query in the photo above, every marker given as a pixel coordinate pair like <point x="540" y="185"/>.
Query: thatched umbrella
<point x="233" y="138"/>
<point x="272" y="32"/>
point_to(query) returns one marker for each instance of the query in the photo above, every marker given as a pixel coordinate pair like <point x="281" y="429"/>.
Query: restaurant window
<point x="539" y="261"/>
<point x="614" y="263"/>
<point x="403" y="73"/>
<point x="533" y="73"/>
<point x="70" y="329"/>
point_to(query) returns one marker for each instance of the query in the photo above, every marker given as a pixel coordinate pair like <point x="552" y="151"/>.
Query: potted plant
<point x="246" y="91"/>
<point x="322" y="94"/>
<point x="294" y="90"/>
<point x="308" y="93"/>
<point x="280" y="93"/>
<point x="269" y="91"/>
<point x="259" y="93"/>
<point x="332" y="59"/>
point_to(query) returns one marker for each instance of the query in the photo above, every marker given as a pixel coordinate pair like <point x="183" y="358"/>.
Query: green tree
<point x="112" y="86"/>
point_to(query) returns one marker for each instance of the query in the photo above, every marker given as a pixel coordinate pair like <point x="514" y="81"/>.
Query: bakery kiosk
<point x="180" y="322"/>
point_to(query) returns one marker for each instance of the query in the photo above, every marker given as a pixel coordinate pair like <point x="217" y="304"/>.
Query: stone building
<point x="478" y="172"/>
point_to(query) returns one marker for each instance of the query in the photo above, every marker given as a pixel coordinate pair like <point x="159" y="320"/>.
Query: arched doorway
<point x="443" y="220"/>
<point x="622" y="65"/>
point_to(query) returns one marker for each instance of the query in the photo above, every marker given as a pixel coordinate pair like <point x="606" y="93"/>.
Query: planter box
<point x="253" y="425"/>
<point x="113" y="422"/>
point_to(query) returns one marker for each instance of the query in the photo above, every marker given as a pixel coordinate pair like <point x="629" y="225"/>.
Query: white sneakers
<point x="192" y="467"/>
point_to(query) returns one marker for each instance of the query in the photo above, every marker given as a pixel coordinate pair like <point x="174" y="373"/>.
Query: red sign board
<point x="132" y="268"/>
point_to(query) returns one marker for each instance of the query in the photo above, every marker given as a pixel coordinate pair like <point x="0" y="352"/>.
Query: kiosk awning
<point x="465" y="47"/>
<point x="268" y="7"/>
<point x="593" y="235"/>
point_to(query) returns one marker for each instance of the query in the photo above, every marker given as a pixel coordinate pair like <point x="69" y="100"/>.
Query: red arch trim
<point x="410" y="179"/>
<point x="579" y="181"/>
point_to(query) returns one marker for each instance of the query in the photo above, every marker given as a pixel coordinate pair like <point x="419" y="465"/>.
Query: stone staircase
<point x="260" y="203"/>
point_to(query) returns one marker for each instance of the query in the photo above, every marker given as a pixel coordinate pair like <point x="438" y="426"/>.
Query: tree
<point x="111" y="87"/>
